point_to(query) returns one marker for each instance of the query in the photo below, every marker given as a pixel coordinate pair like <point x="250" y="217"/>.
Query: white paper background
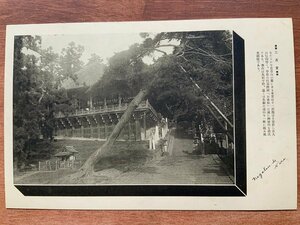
<point x="278" y="188"/>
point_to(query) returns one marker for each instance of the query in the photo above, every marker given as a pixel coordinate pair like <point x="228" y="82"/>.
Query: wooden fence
<point x="58" y="164"/>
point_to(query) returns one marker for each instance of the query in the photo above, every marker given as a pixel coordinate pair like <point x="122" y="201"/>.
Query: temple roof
<point x="67" y="150"/>
<point x="70" y="149"/>
<point x="60" y="154"/>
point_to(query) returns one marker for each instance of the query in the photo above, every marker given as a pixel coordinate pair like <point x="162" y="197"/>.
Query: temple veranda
<point x="98" y="122"/>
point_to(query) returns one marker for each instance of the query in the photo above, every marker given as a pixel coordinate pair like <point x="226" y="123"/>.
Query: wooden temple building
<point x="96" y="120"/>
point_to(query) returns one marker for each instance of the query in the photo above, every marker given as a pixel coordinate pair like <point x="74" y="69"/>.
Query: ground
<point x="133" y="163"/>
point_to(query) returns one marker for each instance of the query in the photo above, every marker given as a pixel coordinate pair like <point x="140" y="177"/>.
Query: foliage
<point x="95" y="58"/>
<point x="124" y="75"/>
<point x="37" y="76"/>
<point x="70" y="61"/>
<point x="204" y="57"/>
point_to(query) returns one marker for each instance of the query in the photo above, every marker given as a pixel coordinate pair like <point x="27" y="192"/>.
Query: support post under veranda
<point x="87" y="168"/>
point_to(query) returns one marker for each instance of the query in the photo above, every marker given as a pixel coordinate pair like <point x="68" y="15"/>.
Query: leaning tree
<point x="202" y="59"/>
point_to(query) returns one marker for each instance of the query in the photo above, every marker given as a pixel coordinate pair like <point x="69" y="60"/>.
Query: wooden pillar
<point x="120" y="101"/>
<point x="81" y="129"/>
<point x="103" y="122"/>
<point x="98" y="130"/>
<point x="144" y="125"/>
<point x="105" y="131"/>
<point x="105" y="105"/>
<point x="91" y="131"/>
<point x="91" y="102"/>
<point x="137" y="130"/>
<point x="156" y="134"/>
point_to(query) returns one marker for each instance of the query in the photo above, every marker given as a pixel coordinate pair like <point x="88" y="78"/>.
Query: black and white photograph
<point x="140" y="108"/>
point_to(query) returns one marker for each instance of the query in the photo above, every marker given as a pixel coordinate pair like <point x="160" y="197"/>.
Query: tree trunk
<point x="88" y="166"/>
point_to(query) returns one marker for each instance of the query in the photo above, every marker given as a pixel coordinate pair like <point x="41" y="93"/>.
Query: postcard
<point x="171" y="115"/>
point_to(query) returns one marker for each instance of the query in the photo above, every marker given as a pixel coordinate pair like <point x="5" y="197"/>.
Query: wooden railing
<point x="106" y="109"/>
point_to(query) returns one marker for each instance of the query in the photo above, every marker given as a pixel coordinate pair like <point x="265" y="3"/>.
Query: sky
<point x="104" y="45"/>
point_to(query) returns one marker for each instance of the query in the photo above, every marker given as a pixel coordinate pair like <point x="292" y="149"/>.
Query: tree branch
<point x="206" y="97"/>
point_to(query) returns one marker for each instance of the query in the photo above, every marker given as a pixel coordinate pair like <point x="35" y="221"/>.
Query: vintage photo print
<point x="134" y="112"/>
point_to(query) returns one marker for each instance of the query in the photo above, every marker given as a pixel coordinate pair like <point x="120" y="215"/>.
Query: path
<point x="178" y="168"/>
<point x="18" y="178"/>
